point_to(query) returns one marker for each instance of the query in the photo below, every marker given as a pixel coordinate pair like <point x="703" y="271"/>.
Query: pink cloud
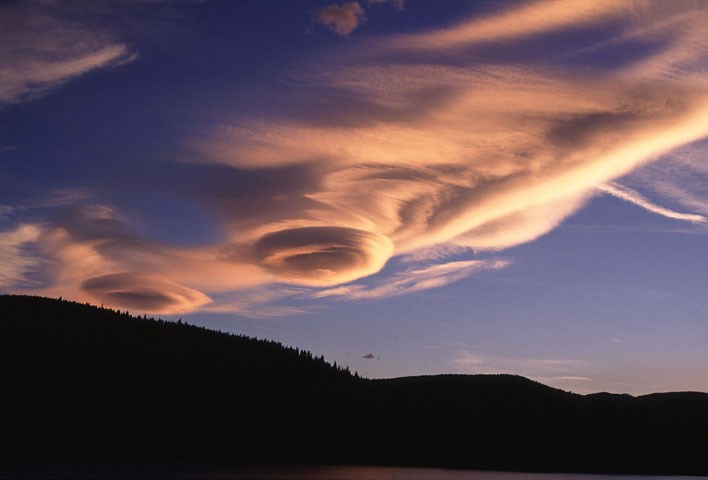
<point x="342" y="19"/>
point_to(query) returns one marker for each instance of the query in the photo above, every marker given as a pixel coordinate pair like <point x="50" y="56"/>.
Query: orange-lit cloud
<point x="144" y="292"/>
<point x="88" y="253"/>
<point x="343" y="18"/>
<point x="402" y="153"/>
<point x="500" y="162"/>
<point x="322" y="256"/>
<point x="518" y="21"/>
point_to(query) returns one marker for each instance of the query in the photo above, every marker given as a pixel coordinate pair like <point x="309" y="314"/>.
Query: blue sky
<point x="464" y="187"/>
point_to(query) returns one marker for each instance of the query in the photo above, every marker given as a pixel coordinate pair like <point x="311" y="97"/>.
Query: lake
<point x="396" y="473"/>
<point x="140" y="471"/>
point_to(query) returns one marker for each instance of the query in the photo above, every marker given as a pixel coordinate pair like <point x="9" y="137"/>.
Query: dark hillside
<point x="91" y="382"/>
<point x="84" y="384"/>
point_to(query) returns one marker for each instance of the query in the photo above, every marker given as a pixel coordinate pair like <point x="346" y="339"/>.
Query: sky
<point x="406" y="187"/>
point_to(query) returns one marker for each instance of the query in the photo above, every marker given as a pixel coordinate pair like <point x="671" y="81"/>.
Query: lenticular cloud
<point x="144" y="292"/>
<point x="322" y="255"/>
<point x="467" y="153"/>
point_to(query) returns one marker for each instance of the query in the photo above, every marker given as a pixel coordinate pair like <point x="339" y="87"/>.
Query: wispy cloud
<point x="15" y="262"/>
<point x="258" y="303"/>
<point x="343" y="18"/>
<point x="531" y="18"/>
<point x="680" y="177"/>
<point x="398" y="4"/>
<point x="415" y="280"/>
<point x="42" y="50"/>
<point x="625" y="193"/>
<point x="480" y="363"/>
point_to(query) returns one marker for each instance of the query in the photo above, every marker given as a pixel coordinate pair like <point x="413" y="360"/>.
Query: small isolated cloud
<point x="343" y="18"/>
<point x="368" y="356"/>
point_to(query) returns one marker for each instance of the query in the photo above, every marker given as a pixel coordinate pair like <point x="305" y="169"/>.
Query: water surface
<point x="397" y="473"/>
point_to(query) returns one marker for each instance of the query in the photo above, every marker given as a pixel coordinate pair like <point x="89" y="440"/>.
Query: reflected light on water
<point x="398" y="473"/>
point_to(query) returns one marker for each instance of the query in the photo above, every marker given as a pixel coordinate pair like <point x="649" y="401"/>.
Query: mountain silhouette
<point x="86" y="384"/>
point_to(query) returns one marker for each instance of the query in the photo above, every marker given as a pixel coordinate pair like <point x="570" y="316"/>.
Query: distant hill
<point x="86" y="384"/>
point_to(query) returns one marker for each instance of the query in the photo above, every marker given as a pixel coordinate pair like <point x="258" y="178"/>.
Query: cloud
<point x="144" y="292"/>
<point x="397" y="4"/>
<point x="15" y="261"/>
<point x="573" y="379"/>
<point x="631" y="196"/>
<point x="42" y="50"/>
<point x="414" y="280"/>
<point x="477" y="157"/>
<point x="421" y="149"/>
<point x="674" y="189"/>
<point x="437" y="253"/>
<point x="502" y="160"/>
<point x="531" y="18"/>
<point x="322" y="256"/>
<point x="532" y="367"/>
<point x="680" y="177"/>
<point x="57" y="198"/>
<point x="368" y="356"/>
<point x="343" y="18"/>
<point x="681" y="42"/>
<point x="257" y="302"/>
<point x="84" y="253"/>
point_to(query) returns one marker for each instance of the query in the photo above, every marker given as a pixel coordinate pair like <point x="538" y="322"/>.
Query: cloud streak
<point x="514" y="22"/>
<point x="41" y="50"/>
<point x="679" y="177"/>
<point x="478" y="363"/>
<point x="414" y="280"/>
<point x="631" y="196"/>
<point x="15" y="262"/>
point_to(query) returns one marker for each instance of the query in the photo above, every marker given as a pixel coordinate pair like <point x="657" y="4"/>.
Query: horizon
<point x="405" y="188"/>
<point x="334" y="365"/>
